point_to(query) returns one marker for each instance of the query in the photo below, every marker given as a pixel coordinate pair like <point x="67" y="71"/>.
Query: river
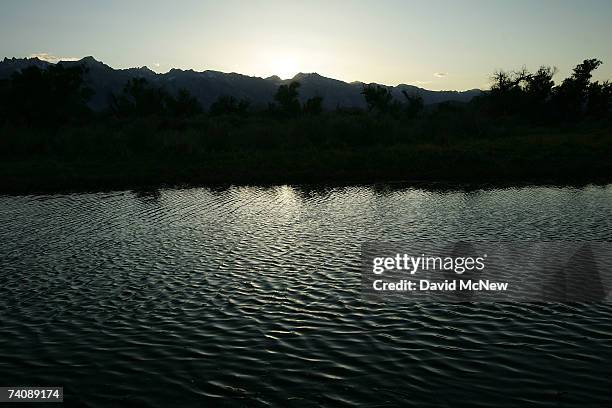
<point x="250" y="296"/>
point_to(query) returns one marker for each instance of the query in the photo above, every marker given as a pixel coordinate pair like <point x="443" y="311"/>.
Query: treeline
<point x="58" y="96"/>
<point x="45" y="97"/>
<point x="536" y="96"/>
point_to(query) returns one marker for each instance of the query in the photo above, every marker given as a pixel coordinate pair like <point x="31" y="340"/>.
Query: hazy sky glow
<point x="436" y="45"/>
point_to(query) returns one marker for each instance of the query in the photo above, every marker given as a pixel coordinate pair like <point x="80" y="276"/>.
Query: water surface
<point x="250" y="296"/>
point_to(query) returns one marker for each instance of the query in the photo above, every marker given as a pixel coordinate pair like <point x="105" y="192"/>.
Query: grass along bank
<point x="537" y="156"/>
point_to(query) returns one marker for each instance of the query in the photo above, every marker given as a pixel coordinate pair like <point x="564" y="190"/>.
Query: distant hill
<point x="208" y="85"/>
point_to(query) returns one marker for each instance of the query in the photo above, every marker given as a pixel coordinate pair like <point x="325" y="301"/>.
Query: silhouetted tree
<point x="507" y="92"/>
<point x="313" y="106"/>
<point x="47" y="97"/>
<point x="229" y="105"/>
<point x="502" y="81"/>
<point x="414" y="104"/>
<point x="378" y="98"/>
<point x="571" y="97"/>
<point x="599" y="98"/>
<point x="287" y="98"/>
<point x="184" y="105"/>
<point x="539" y="86"/>
<point x="141" y="99"/>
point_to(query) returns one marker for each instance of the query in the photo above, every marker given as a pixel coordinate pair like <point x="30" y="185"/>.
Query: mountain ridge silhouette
<point x="207" y="86"/>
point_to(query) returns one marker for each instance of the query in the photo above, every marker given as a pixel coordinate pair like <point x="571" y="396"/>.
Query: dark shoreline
<point x="52" y="176"/>
<point x="92" y="159"/>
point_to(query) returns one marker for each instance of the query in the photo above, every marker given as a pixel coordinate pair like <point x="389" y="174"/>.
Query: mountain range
<point x="208" y="85"/>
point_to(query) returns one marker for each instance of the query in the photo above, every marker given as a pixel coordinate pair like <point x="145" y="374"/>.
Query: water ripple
<point x="250" y="296"/>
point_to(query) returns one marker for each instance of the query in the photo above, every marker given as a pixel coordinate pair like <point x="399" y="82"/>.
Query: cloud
<point x="52" y="58"/>
<point x="421" y="82"/>
<point x="440" y="74"/>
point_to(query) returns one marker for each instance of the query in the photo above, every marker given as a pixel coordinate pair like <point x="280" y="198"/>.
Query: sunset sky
<point x="435" y="45"/>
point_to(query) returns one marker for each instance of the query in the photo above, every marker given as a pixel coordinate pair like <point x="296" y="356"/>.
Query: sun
<point x="284" y="66"/>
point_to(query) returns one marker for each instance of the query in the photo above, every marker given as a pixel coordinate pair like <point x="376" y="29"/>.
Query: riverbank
<point x="542" y="158"/>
